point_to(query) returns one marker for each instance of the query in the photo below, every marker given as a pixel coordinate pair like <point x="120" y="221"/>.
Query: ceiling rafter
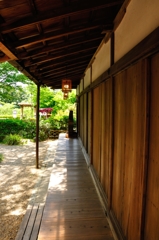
<point x="52" y="64"/>
<point x="82" y="66"/>
<point x="57" y="47"/>
<point x="46" y="39"/>
<point x="61" y="67"/>
<point x="58" y="34"/>
<point x="60" y="14"/>
<point x="28" y="63"/>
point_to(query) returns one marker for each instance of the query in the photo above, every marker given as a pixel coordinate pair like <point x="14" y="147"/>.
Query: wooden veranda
<point x="73" y="209"/>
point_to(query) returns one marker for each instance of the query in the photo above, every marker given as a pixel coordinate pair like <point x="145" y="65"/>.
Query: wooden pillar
<point x="37" y="126"/>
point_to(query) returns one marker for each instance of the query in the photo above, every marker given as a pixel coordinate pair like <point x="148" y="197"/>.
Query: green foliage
<point x="7" y="109"/>
<point x="12" y="84"/>
<point x="46" y="96"/>
<point x="58" y="121"/>
<point x="24" y="128"/>
<point x="8" y="117"/>
<point x="44" y="128"/>
<point x="13" y="139"/>
<point x="1" y="157"/>
<point x="64" y="105"/>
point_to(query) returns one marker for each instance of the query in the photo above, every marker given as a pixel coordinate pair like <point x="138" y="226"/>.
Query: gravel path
<point x="21" y="183"/>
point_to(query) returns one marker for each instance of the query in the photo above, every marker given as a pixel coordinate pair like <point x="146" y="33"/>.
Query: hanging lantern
<point x="66" y="85"/>
<point x="65" y="95"/>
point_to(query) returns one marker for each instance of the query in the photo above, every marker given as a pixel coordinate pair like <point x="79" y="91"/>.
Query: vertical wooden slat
<point x="81" y="117"/>
<point x="130" y="131"/>
<point x="145" y="163"/>
<point x="89" y="122"/>
<point x="111" y="144"/>
<point x="152" y="195"/>
<point x="92" y="119"/>
<point x="96" y="130"/>
<point x="103" y="136"/>
<point x="85" y="120"/>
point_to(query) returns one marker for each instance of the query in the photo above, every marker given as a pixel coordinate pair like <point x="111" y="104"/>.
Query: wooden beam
<point x="7" y="52"/>
<point x="61" y="13"/>
<point x="60" y="46"/>
<point x="61" y="70"/>
<point x="28" y="63"/>
<point x="60" y="62"/>
<point x="61" y="67"/>
<point x="54" y="35"/>
<point x="62" y="75"/>
<point x="72" y="75"/>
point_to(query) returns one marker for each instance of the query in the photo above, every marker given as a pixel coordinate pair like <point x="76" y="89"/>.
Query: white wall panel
<point x="102" y="61"/>
<point x="141" y="18"/>
<point x="77" y="90"/>
<point x="81" y="85"/>
<point x="87" y="78"/>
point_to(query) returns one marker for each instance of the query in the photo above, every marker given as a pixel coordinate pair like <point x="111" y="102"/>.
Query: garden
<point x="21" y="182"/>
<point x="15" y="90"/>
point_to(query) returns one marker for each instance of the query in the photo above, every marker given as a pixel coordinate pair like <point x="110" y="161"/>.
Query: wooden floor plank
<point x="72" y="210"/>
<point x="24" y="223"/>
<point x="30" y="224"/>
<point x="37" y="223"/>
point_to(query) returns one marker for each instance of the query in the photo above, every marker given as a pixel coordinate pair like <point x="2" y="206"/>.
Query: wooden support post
<point x="37" y="126"/>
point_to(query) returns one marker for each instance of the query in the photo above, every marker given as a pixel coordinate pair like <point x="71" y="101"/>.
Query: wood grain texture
<point x="96" y="130"/>
<point x="85" y="121"/>
<point x="72" y="209"/>
<point x="152" y="196"/>
<point x="89" y="122"/>
<point x="81" y="133"/>
<point x="129" y="148"/>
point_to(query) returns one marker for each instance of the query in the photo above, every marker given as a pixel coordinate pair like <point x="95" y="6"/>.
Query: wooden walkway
<point x="72" y="209"/>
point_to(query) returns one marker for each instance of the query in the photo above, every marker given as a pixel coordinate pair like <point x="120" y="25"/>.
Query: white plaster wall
<point x="141" y="18"/>
<point x="102" y="61"/>
<point x="77" y="90"/>
<point x="81" y="86"/>
<point x="87" y="78"/>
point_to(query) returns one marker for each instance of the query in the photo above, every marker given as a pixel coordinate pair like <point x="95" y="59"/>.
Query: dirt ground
<point x="18" y="180"/>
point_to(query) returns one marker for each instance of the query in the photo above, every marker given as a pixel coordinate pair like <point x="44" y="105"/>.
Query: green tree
<point x="12" y="84"/>
<point x="46" y="96"/>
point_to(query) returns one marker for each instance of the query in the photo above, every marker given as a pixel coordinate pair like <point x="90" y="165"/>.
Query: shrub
<point x="24" y="128"/>
<point x="13" y="139"/>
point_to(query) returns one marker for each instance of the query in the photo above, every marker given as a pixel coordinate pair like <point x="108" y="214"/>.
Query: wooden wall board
<point x="85" y="121"/>
<point x="129" y="147"/>
<point x="152" y="197"/>
<point x="96" y="130"/>
<point x="119" y="134"/>
<point x="81" y="119"/>
<point x="103" y="136"/>
<point x="89" y="122"/>
<point x="106" y="133"/>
